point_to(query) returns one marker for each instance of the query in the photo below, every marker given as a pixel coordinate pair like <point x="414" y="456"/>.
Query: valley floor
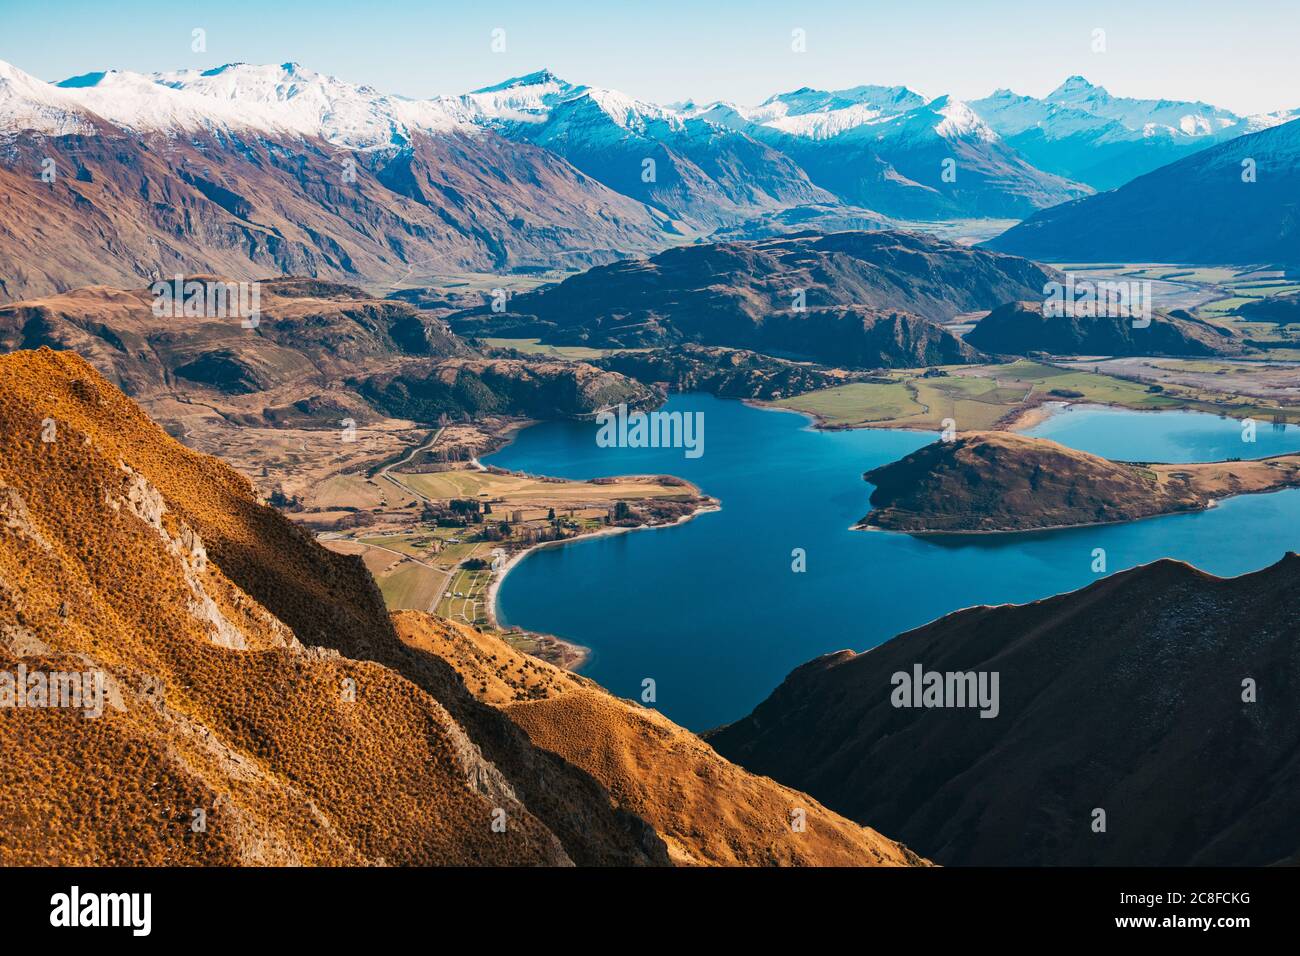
<point x="423" y="561"/>
<point x="1018" y="395"/>
<point x="1265" y="385"/>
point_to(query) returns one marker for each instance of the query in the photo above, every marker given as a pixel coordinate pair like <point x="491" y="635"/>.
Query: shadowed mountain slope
<point x="1125" y="696"/>
<point x="1018" y="328"/>
<point x="1232" y="203"/>
<point x="1277" y="309"/>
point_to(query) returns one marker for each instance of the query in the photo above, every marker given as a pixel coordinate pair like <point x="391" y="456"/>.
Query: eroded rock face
<point x="146" y="502"/>
<point x="17" y="519"/>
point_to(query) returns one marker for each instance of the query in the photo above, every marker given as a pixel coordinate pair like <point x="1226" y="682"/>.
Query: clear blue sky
<point x="1241" y="55"/>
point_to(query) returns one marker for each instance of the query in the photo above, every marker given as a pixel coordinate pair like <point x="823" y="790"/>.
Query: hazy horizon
<point x="1239" y="59"/>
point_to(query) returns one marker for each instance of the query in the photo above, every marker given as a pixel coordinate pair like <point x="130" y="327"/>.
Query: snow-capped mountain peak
<point x="521" y="99"/>
<point x="821" y="114"/>
<point x="959" y="121"/>
<point x="1074" y="86"/>
<point x="27" y="103"/>
<point x="541" y="77"/>
<point x="542" y="97"/>
<point x="1149" y="117"/>
<point x="884" y="99"/>
<point x="289" y="96"/>
<point x="134" y="101"/>
<point x="942" y="118"/>
<point x="1011" y="114"/>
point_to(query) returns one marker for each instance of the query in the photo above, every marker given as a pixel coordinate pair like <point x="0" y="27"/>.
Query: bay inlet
<point x="712" y="610"/>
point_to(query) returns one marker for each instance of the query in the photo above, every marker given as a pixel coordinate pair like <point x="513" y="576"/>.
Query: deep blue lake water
<point x="711" y="609"/>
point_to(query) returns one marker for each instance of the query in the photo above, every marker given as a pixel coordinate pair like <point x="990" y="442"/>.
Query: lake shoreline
<point x="1019" y="419"/>
<point x="718" y="615"/>
<point x="867" y="526"/>
<point x="1022" y="418"/>
<point x="573" y="655"/>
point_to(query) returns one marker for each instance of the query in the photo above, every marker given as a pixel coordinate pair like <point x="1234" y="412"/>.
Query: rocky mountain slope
<point x="727" y="373"/>
<point x="688" y="168"/>
<point x="847" y="299"/>
<point x="479" y="387"/>
<point x="812" y="217"/>
<point x="1161" y="696"/>
<point x="167" y="180"/>
<point x="1233" y="203"/>
<point x="890" y="150"/>
<point x="318" y="351"/>
<point x="260" y="708"/>
<point x="1019" y="328"/>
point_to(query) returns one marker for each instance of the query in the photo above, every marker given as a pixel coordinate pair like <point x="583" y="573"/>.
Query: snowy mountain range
<point x="1082" y="132"/>
<point x="712" y="163"/>
<point x="694" y="170"/>
<point x="536" y="171"/>
<point x="248" y="171"/>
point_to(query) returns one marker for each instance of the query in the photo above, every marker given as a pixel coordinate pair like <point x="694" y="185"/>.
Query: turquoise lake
<point x="711" y="609"/>
<point x="1164" y="436"/>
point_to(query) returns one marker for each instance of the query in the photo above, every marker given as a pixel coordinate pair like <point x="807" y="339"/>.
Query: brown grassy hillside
<point x="651" y="766"/>
<point x="1001" y="481"/>
<point x="123" y="552"/>
<point x="251" y="674"/>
